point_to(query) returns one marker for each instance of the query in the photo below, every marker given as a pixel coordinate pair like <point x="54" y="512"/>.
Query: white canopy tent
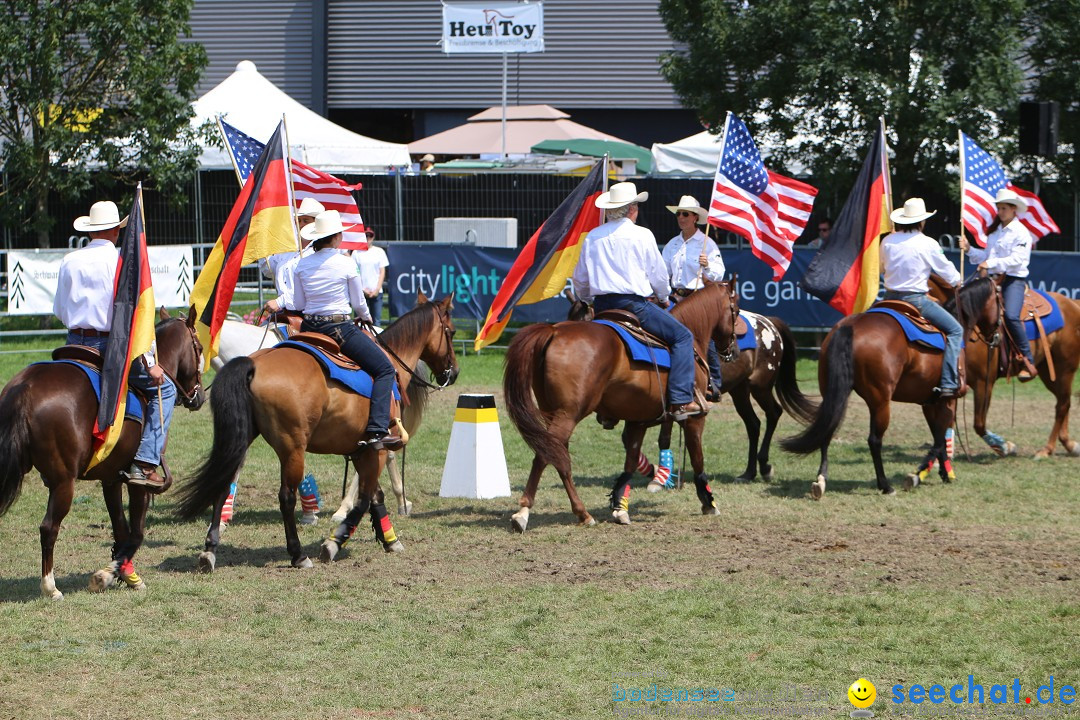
<point x="699" y="155"/>
<point x="251" y="103"/>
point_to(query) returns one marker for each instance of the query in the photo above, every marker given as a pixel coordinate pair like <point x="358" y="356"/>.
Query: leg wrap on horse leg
<point x="620" y="494"/>
<point x="380" y="522"/>
<point x="704" y="492"/>
<point x="348" y="526"/>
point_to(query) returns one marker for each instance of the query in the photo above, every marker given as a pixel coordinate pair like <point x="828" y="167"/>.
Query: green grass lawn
<point x="979" y="577"/>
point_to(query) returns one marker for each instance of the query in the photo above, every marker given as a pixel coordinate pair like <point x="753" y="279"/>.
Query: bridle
<point x="448" y="357"/>
<point x="190" y="399"/>
<point x="732" y="351"/>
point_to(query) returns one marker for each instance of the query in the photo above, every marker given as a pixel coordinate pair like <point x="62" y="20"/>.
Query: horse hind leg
<point x="1062" y="389"/>
<point x="60" y="495"/>
<point x="397" y="482"/>
<point x="773" y="412"/>
<point x="127" y="537"/>
<point x="632" y="437"/>
<point x="740" y="397"/>
<point x="368" y="464"/>
<point x="519" y="521"/>
<point x="879" y="423"/>
<point x="292" y="473"/>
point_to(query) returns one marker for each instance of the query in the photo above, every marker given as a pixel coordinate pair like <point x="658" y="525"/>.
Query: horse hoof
<point x="101" y="581"/>
<point x="54" y="595"/>
<point x="405" y="509"/>
<point x="394" y="547"/>
<point x="303" y="563"/>
<point x="889" y="491"/>
<point x="911" y="481"/>
<point x="207" y="562"/>
<point x="620" y="517"/>
<point x="328" y="551"/>
<point x="817" y="488"/>
<point x="520" y="520"/>
<point x="337" y="518"/>
<point x="1044" y="453"/>
<point x="745" y="478"/>
<point x="654" y="486"/>
<point x="587" y="521"/>
<point x="768" y="474"/>
<point x="309" y="519"/>
<point x="710" y="510"/>
<point x="1009" y="449"/>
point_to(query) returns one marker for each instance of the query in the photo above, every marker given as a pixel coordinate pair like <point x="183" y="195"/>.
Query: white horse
<point x="240" y="338"/>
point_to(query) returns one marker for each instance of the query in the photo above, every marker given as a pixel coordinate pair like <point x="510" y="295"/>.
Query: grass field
<point x="980" y="578"/>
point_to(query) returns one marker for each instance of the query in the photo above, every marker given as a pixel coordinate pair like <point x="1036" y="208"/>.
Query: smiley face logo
<point x="862" y="693"/>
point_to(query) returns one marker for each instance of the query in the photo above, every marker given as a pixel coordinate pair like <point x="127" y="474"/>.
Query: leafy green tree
<point x="1053" y="65"/>
<point x="93" y="86"/>
<point x="811" y="77"/>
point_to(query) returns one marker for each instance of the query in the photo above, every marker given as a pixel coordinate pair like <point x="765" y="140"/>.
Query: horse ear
<point x="421" y="298"/>
<point x="447" y="302"/>
<point x="191" y="317"/>
<point x="163" y="314"/>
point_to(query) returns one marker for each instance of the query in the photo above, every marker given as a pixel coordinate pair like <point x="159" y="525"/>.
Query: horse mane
<point x="971" y="298"/>
<point x="699" y="308"/>
<point x="411" y="325"/>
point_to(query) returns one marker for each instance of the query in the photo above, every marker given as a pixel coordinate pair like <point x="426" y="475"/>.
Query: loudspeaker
<point x="1039" y="122"/>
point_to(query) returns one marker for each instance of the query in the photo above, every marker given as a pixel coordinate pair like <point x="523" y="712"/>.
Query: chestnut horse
<point x="284" y="395"/>
<point x="869" y="353"/>
<point x="577" y="368"/>
<point x="47" y="413"/>
<point x="983" y="370"/>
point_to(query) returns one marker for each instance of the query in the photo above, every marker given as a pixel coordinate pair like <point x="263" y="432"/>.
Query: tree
<point x="93" y="86"/>
<point x="1053" y="65"/>
<point x="811" y="77"/>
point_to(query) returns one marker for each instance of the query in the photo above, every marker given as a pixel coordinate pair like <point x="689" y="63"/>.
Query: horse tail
<point x="14" y="443"/>
<point x="839" y="379"/>
<point x="524" y="359"/>
<point x="792" y="399"/>
<point x="234" y="430"/>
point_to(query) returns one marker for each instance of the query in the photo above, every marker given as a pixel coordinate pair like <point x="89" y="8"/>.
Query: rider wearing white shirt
<point x="619" y="268"/>
<point x="85" y="290"/>
<point x="281" y="267"/>
<point x="327" y="287"/>
<point x="692" y="257"/>
<point x="1008" y="252"/>
<point x="908" y="258"/>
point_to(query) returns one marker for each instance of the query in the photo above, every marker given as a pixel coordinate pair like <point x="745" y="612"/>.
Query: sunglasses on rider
<point x="685" y="213"/>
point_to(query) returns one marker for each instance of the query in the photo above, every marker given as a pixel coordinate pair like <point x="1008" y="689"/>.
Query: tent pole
<point x="505" y="65"/>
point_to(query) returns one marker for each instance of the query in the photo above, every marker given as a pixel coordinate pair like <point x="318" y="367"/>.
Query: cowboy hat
<point x="914" y="211"/>
<point x="1005" y="195"/>
<point x="688" y="202"/>
<point x="310" y="207"/>
<point x="428" y="158"/>
<point x="326" y="223"/>
<point x="621" y="194"/>
<point x="103" y="216"/>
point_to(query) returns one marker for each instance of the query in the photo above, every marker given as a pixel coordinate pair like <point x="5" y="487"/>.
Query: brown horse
<point x="869" y="353"/>
<point x="982" y="354"/>
<point x="577" y="368"/>
<point x="47" y="413"/>
<point x="284" y="395"/>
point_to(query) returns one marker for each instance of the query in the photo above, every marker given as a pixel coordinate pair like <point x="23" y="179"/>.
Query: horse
<point x="868" y="352"/>
<point x="983" y="370"/>
<point x="576" y="368"/>
<point x="283" y="395"/>
<point x="47" y="413"/>
<point x="240" y="338"/>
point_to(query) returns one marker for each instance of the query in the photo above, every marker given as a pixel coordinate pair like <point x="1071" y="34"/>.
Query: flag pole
<point x="228" y="149"/>
<point x="960" y="138"/>
<point x="886" y="173"/>
<point x="292" y="191"/>
<point x="604" y="188"/>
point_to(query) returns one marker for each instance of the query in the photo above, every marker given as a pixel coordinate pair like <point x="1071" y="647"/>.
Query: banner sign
<point x="493" y="28"/>
<point x="33" y="274"/>
<point x="475" y="275"/>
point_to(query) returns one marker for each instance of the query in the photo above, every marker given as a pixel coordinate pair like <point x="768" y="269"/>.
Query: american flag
<point x="334" y="193"/>
<point x="768" y="209"/>
<point x="982" y="178"/>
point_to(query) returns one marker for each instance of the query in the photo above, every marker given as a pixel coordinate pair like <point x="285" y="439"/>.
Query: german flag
<point x="845" y="272"/>
<point x="260" y="224"/>
<point x="131" y="334"/>
<point x="548" y="259"/>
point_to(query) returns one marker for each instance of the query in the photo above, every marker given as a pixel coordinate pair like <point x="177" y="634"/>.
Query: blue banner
<point x="475" y="275"/>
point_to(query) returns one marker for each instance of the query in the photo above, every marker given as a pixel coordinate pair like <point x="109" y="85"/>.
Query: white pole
<point x="505" y="66"/>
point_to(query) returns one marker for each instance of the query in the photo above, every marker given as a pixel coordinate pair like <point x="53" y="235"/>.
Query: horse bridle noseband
<point x="188" y="399"/>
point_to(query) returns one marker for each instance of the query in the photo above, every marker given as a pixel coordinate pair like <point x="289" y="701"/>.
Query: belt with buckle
<point x="683" y="292"/>
<point x="88" y="332"/>
<point x="327" y="318"/>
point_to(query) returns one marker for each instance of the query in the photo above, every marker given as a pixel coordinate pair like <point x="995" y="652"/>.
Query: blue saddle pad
<point x="133" y="410"/>
<point x="748" y="341"/>
<point x="641" y="352"/>
<point x="1051" y="323"/>
<point x="935" y="340"/>
<point x="359" y="381"/>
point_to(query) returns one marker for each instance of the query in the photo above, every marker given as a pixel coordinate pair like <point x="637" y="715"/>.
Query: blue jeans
<point x="362" y="350"/>
<point x="1012" y="297"/>
<point x="714" y="366"/>
<point x="158" y="414"/>
<point x="668" y="329"/>
<point x="940" y="318"/>
<point x="374" y="305"/>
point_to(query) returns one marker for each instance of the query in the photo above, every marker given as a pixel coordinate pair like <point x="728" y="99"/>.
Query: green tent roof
<point x="598" y="148"/>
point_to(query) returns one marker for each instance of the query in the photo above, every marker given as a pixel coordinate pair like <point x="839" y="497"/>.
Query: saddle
<point x="290" y="319"/>
<point x="80" y="353"/>
<point x="328" y="345"/>
<point x="909" y="311"/>
<point x="1035" y="306"/>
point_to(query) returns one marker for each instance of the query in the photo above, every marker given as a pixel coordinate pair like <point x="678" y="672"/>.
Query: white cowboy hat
<point x="1005" y="195"/>
<point x="621" y="194"/>
<point x="310" y="207"/>
<point x="326" y="223"/>
<point x="103" y="216"/>
<point x="428" y="158"/>
<point x="914" y="211"/>
<point x="688" y="202"/>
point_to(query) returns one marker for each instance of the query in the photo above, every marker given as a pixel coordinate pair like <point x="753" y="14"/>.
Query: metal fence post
<point x="198" y="208"/>
<point x="399" y="212"/>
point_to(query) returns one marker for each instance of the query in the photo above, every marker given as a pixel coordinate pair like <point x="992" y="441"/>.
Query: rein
<point x="421" y="381"/>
